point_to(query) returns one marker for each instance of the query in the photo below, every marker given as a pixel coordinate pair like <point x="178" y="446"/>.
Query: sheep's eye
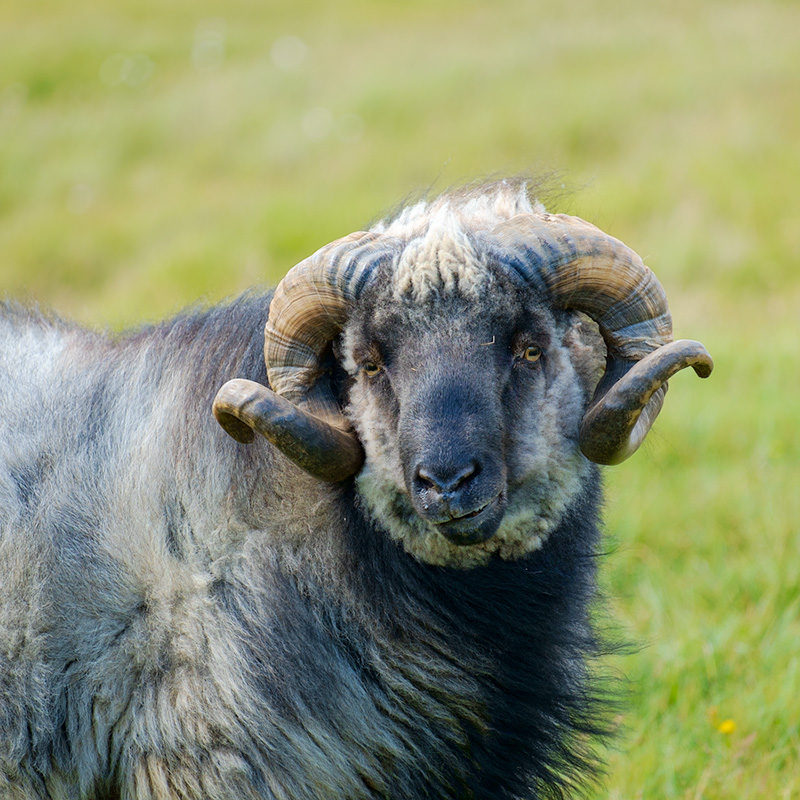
<point x="532" y="354"/>
<point x="372" y="368"/>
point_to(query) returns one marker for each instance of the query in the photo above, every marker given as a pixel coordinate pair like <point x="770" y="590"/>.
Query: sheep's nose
<point x="443" y="480"/>
<point x="464" y="498"/>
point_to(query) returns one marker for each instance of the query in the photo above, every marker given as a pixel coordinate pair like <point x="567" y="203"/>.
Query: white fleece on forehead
<point x="440" y="256"/>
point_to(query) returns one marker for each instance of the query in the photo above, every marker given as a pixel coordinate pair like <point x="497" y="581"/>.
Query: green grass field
<point x="153" y="154"/>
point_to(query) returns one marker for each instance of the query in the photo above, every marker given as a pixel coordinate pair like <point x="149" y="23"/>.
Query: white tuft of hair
<point x="439" y="256"/>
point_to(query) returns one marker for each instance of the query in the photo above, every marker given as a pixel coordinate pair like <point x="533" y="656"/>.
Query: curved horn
<point x="326" y="452"/>
<point x="588" y="270"/>
<point x="300" y="415"/>
<point x="615" y="425"/>
<point x="309" y="309"/>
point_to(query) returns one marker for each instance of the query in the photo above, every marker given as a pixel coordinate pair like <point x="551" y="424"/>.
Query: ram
<point x="387" y="592"/>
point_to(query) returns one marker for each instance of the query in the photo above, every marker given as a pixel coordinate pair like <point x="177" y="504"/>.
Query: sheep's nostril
<point x="443" y="480"/>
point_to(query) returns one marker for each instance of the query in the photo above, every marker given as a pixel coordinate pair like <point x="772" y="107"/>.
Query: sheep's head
<point x="470" y="391"/>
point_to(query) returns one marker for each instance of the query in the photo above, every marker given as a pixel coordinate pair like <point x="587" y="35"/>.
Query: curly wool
<point x="441" y="255"/>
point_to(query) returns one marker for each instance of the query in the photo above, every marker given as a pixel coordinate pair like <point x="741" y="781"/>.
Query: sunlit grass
<point x="155" y="154"/>
<point x="706" y="572"/>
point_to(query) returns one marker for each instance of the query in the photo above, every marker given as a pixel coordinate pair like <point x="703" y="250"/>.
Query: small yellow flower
<point x="727" y="727"/>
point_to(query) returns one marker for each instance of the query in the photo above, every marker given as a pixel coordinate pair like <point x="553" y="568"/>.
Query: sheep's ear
<point x="587" y="350"/>
<point x="625" y="407"/>
<point x="321" y="449"/>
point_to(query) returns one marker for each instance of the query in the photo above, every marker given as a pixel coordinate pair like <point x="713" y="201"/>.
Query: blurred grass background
<point x="155" y="153"/>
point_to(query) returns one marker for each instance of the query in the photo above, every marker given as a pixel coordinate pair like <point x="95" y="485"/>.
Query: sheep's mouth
<point x="477" y="525"/>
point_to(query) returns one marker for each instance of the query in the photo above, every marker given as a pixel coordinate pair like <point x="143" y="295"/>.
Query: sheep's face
<point x="468" y="411"/>
<point x="469" y="379"/>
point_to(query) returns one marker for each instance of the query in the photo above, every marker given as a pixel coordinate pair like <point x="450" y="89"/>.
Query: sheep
<point x="386" y="593"/>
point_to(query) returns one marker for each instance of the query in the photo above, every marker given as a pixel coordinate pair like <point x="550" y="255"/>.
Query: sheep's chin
<point x="535" y="509"/>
